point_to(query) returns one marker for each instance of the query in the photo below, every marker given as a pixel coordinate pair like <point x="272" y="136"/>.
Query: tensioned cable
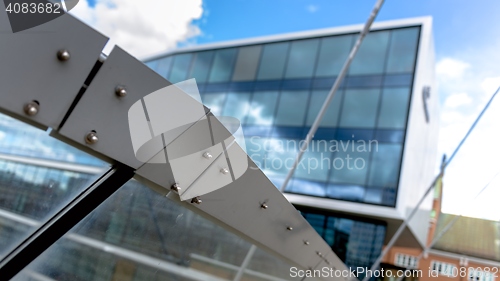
<point x="334" y="89"/>
<point x="414" y="211"/>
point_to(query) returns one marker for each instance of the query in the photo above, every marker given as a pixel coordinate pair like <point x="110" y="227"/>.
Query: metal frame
<point x="251" y="206"/>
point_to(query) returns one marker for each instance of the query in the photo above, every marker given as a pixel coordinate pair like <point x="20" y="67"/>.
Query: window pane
<point x="370" y="58"/>
<point x="403" y="50"/>
<point x="374" y="195"/>
<point x="256" y="149"/>
<point x="163" y="67"/>
<point x="350" y="162"/>
<point x="291" y="109"/>
<point x="246" y="64"/>
<point x="262" y="108"/>
<point x="34" y="186"/>
<point x="360" y="108"/>
<point x="280" y="156"/>
<point x="273" y="61"/>
<point x="333" y="54"/>
<point x="223" y="65"/>
<point x="394" y="108"/>
<point x="152" y="64"/>
<point x="306" y="186"/>
<point x="331" y="116"/>
<point x="302" y="58"/>
<point x="316" y="162"/>
<point x="136" y="234"/>
<point x="384" y="171"/>
<point x="237" y="105"/>
<point x="214" y="101"/>
<point x="180" y="68"/>
<point x="201" y="66"/>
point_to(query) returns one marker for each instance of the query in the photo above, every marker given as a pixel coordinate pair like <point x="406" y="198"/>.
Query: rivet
<point x="306" y="242"/>
<point x="196" y="200"/>
<point x="264" y="206"/>
<point x="319" y="254"/>
<point x="289" y="228"/>
<point x="63" y="55"/>
<point x="175" y="187"/>
<point x="120" y="91"/>
<point x="91" y="138"/>
<point x="31" y="108"/>
<point x="224" y="171"/>
<point x="207" y="155"/>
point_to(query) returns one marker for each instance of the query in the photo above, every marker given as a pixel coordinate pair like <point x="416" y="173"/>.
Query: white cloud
<point x="490" y="85"/>
<point x="457" y="100"/>
<point x="451" y="68"/>
<point x="143" y="28"/>
<point x="312" y="8"/>
<point x="466" y="83"/>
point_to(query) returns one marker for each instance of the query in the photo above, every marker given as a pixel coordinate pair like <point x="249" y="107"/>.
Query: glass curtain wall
<point x="277" y="89"/>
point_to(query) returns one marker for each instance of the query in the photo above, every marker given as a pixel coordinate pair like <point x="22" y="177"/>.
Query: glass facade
<point x="137" y="235"/>
<point x="39" y="175"/>
<point x="357" y="243"/>
<point x="276" y="90"/>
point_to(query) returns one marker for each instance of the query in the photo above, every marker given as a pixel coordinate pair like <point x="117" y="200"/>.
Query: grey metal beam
<point x="63" y="221"/>
<point x="32" y="73"/>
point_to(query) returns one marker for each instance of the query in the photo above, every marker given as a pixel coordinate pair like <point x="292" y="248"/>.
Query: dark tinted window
<point x="272" y="63"/>
<point x="302" y="58"/>
<point x="222" y="66"/>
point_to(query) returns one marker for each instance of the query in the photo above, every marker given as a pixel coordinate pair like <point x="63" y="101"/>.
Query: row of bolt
<point x="197" y="200"/>
<point x="32" y="108"/>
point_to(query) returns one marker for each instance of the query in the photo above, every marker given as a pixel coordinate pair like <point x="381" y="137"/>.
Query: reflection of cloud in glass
<point x="256" y="114"/>
<point x="24" y="140"/>
<point x="214" y="101"/>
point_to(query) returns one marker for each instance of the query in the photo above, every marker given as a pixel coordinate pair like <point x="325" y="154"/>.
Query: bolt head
<point x="196" y="200"/>
<point x="224" y="171"/>
<point x="207" y="155"/>
<point x="306" y="242"/>
<point x="120" y="91"/>
<point x="31" y="108"/>
<point x="175" y="187"/>
<point x="264" y="206"/>
<point x="91" y="138"/>
<point x="63" y="55"/>
<point x="289" y="228"/>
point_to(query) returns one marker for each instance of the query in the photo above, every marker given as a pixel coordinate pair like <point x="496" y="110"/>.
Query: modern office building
<point x="374" y="153"/>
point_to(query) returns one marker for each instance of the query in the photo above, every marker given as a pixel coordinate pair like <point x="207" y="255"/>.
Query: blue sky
<point x="458" y="24"/>
<point x="466" y="35"/>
